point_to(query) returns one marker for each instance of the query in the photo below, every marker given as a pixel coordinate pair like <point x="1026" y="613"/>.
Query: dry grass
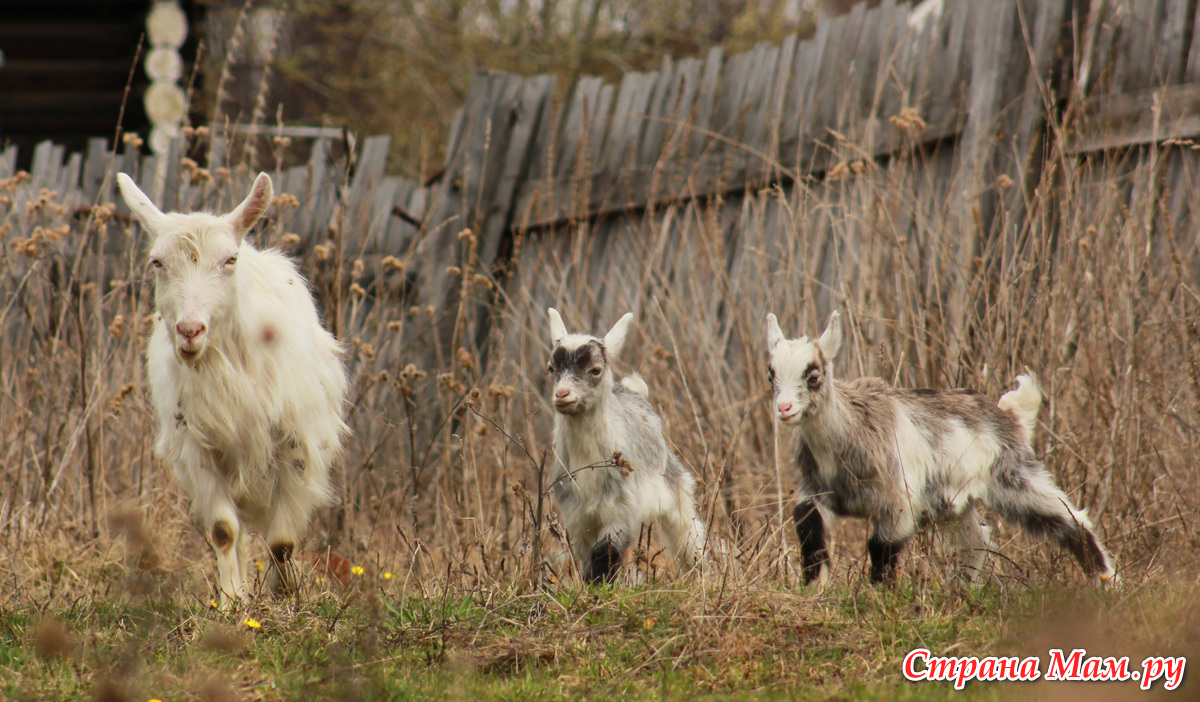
<point x="443" y="550"/>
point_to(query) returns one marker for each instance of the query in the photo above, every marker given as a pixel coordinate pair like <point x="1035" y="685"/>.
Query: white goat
<point x="248" y="387"/>
<point x="904" y="458"/>
<point x="603" y="502"/>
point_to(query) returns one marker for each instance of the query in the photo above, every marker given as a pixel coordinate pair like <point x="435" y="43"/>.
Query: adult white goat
<point x="904" y="458"/>
<point x="603" y="502"/>
<point x="248" y="387"/>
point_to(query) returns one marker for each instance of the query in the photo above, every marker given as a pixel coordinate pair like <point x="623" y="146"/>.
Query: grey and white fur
<point x="905" y="458"/>
<point x="604" y="503"/>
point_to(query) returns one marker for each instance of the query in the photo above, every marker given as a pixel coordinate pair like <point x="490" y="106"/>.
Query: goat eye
<point x="156" y="263"/>
<point x="814" y="381"/>
<point x="231" y="260"/>
<point x="595" y="372"/>
<point x="550" y="367"/>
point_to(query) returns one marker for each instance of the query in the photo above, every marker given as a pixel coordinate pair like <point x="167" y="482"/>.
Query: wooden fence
<point x="971" y="88"/>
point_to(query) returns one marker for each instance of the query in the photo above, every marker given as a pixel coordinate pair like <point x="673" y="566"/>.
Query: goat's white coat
<point x="933" y="474"/>
<point x="599" y="505"/>
<point x="253" y="421"/>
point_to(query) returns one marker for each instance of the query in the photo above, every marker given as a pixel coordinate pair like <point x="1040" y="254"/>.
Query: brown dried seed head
<point x="285" y="201"/>
<point x="465" y="359"/>
<point x="501" y="391"/>
<point x="392" y="263"/>
<point x="447" y="382"/>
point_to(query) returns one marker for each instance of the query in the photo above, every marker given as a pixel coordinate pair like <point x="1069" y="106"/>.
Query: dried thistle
<point x="622" y="464"/>
<point x="447" y="382"/>
<point x="465" y="360"/>
<point x="285" y="201"/>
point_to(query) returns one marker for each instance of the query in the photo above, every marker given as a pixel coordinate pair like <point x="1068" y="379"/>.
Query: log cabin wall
<point x="66" y="65"/>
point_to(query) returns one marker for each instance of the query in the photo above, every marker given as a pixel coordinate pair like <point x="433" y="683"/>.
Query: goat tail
<point x="1024" y="402"/>
<point x="635" y="383"/>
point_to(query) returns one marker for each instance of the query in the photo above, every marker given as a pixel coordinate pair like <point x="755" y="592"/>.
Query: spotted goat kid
<point x="248" y="387"/>
<point x="906" y="458"/>
<point x="604" y="502"/>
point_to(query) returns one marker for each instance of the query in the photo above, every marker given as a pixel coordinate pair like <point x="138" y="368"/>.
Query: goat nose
<point x="785" y="407"/>
<point x="561" y="394"/>
<point x="190" y="330"/>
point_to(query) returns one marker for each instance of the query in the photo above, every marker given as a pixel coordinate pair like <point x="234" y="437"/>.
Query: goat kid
<point x="604" y="502"/>
<point x="248" y="387"/>
<point x="906" y="458"/>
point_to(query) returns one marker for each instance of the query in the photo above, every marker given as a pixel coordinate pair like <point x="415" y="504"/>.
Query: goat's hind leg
<point x="683" y="530"/>
<point x="1031" y="498"/>
<point x="810" y="530"/>
<point x="892" y="532"/>
<point x="974" y="543"/>
<point x="291" y="506"/>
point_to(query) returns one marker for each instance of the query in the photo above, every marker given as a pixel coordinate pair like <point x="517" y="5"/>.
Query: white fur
<point x="917" y="456"/>
<point x="250" y="410"/>
<point x="597" y="502"/>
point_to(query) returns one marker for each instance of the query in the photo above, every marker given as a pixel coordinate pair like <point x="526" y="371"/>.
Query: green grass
<point x="661" y="642"/>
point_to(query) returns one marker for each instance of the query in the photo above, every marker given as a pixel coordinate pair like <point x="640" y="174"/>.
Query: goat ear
<point x="831" y="338"/>
<point x="557" y="329"/>
<point x="774" y="333"/>
<point x="253" y="207"/>
<point x="150" y="216"/>
<point x="614" y="340"/>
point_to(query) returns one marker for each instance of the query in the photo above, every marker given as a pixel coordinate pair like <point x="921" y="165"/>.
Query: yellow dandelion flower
<point x="252" y="623"/>
<point x="387" y="575"/>
<point x="357" y="570"/>
<point x="258" y="564"/>
<point x="153" y="699"/>
<point x="320" y="581"/>
<point x="212" y="603"/>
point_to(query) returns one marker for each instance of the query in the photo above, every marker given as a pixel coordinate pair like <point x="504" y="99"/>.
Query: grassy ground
<point x="683" y="640"/>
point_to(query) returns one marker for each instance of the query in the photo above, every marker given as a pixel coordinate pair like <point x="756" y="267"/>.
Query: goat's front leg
<point x="892" y="532"/>
<point x="810" y="529"/>
<point x="222" y="530"/>
<point x="604" y="559"/>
